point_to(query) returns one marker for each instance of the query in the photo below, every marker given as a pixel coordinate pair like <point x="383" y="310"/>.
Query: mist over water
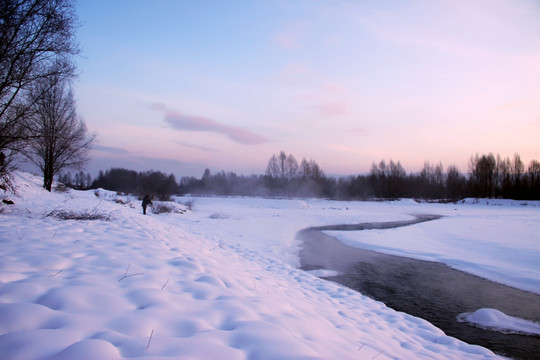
<point x="426" y="289"/>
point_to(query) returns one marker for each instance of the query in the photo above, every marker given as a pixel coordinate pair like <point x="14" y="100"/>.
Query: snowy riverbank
<point x="216" y="282"/>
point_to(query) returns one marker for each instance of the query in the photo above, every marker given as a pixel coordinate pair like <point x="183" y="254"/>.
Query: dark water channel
<point x="426" y="289"/>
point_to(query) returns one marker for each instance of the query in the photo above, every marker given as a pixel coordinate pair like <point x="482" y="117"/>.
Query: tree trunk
<point x="47" y="177"/>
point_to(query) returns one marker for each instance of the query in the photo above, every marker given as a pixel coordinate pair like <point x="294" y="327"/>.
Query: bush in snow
<point x="162" y="207"/>
<point x="189" y="204"/>
<point x="74" y="215"/>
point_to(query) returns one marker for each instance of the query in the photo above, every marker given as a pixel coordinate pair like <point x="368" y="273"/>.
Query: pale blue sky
<point x="183" y="85"/>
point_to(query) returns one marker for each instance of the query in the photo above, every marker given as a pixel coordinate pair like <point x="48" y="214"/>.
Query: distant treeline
<point x="489" y="176"/>
<point x="80" y="181"/>
<point x="156" y="183"/>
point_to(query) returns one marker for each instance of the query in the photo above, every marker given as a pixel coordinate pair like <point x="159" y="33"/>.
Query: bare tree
<point x="36" y="41"/>
<point x="282" y="167"/>
<point x="272" y="169"/>
<point x="503" y="177"/>
<point x="455" y="182"/>
<point x="305" y="169"/>
<point x="483" y="174"/>
<point x="533" y="172"/>
<point x="57" y="136"/>
<point x="396" y="179"/>
<point x="282" y="161"/>
<point x="292" y="167"/>
<point x="311" y="170"/>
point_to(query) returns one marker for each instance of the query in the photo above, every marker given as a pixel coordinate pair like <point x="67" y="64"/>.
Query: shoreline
<point x="427" y="289"/>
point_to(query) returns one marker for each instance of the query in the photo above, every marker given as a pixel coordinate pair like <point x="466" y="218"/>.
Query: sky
<point x="180" y="86"/>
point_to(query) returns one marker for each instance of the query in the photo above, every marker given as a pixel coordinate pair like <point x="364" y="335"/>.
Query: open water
<point x="426" y="289"/>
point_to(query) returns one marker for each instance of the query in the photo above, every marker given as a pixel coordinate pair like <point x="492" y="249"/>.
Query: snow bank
<point x="188" y="286"/>
<point x="496" y="320"/>
<point x="500" y="202"/>
<point x="496" y="242"/>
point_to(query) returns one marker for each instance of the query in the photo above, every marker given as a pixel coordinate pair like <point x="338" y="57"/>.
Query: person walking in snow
<point x="145" y="202"/>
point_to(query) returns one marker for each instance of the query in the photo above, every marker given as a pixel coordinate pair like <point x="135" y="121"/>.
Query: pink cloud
<point x="180" y="121"/>
<point x="330" y="99"/>
<point x="331" y="108"/>
<point x="203" y="148"/>
<point x="109" y="149"/>
<point x="515" y="104"/>
<point x="359" y="130"/>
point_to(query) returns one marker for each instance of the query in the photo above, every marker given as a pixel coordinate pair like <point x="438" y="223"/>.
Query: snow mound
<point x="496" y="320"/>
<point x="323" y="273"/>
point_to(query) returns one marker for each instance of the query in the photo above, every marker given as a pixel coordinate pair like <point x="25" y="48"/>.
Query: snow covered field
<point x="221" y="281"/>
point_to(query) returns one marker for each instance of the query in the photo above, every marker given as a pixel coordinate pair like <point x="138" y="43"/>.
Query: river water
<point x="426" y="289"/>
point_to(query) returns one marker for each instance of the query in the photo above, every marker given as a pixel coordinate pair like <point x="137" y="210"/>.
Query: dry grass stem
<point x="166" y="282"/>
<point x="56" y="273"/>
<point x="149" y="340"/>
<point x="130" y="275"/>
